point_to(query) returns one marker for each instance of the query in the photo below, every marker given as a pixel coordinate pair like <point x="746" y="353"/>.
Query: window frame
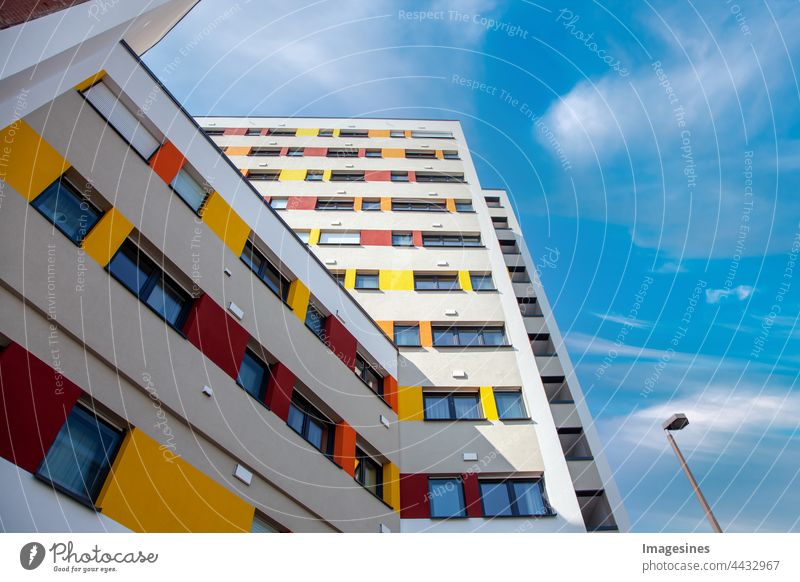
<point x="63" y="184"/>
<point x="360" y="273"/>
<point x="366" y="369"/>
<point x="373" y="153"/>
<point x="262" y="389"/>
<point x="322" y="236"/>
<point x="335" y="204"/>
<point x="524" y="409"/>
<point x="406" y="327"/>
<point x="313" y="309"/>
<point x="184" y="171"/>
<point x="470" y="210"/>
<point x="348" y="176"/>
<point x="295" y="152"/>
<point x="452" y="240"/>
<point x="438" y="279"/>
<point x="483" y="277"/>
<point x="514" y="498"/>
<point x="282" y="291"/>
<point x="364" y="459"/>
<point x="460" y="490"/>
<point x="451" y="398"/>
<point x="264" y="152"/>
<point x="410" y="239"/>
<point x="477" y="330"/>
<point x="309" y="413"/>
<point x="413" y="205"/>
<point x="376" y="208"/>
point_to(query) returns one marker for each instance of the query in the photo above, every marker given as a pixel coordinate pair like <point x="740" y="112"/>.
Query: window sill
<point x="516" y="419"/>
<point x="502" y="346"/>
<point x="378" y="497"/>
<point x="58" y="488"/>
<point x="366" y="288"/>
<point x="523" y="516"/>
<point x="439" y="290"/>
<point x="485" y="290"/>
<point x="455" y="419"/>
<point x="409" y="345"/>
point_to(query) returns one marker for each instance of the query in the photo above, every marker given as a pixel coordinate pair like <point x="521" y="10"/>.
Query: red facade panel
<point x="301" y="203"/>
<point x="390" y="391"/>
<point x="315" y="152"/>
<point x="340" y="341"/>
<point x="167" y="161"/>
<point x="472" y="495"/>
<point x="416" y="238"/>
<point x="414" y="499"/>
<point x="379" y="238"/>
<point x="215" y="333"/>
<point x="35" y="401"/>
<point x="235" y="131"/>
<point x="412" y="176"/>
<point x="377" y="175"/>
<point x="279" y="390"/>
<point x="344" y="447"/>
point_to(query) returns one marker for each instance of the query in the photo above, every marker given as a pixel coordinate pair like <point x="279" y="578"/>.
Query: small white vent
<point x="242" y="474"/>
<point x="459" y="374"/>
<point x="236" y="310"/>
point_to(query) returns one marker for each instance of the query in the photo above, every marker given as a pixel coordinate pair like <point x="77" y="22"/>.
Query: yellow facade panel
<point x="307" y="131"/>
<point x="350" y="279"/>
<point x="31" y="164"/>
<point x="237" y="150"/>
<point x="393" y="153"/>
<point x="409" y="403"/>
<point x="107" y="236"/>
<point x="313" y="236"/>
<point x="488" y="403"/>
<point x="396" y="280"/>
<point x="391" y="485"/>
<point x="298" y="299"/>
<point x="378" y="133"/>
<point x="464" y="280"/>
<point x="83" y="85"/>
<point x="292" y="175"/>
<point x="225" y="223"/>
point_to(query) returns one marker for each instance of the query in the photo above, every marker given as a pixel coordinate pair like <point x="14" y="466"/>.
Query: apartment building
<point x="494" y="431"/>
<point x="172" y="356"/>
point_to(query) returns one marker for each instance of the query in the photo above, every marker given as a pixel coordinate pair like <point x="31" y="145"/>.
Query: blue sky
<point x="654" y="146"/>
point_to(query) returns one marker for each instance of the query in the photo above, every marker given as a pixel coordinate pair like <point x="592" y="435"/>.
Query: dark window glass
<point x="482" y="282"/>
<point x="518" y="497"/>
<point x="353" y="133"/>
<point x="399" y="176"/>
<point x="265" y="270"/>
<point x="468" y="336"/>
<point x="401" y="205"/>
<point x="374" y="154"/>
<point x="371" y="204"/>
<point x="281" y="131"/>
<point x="509" y="405"/>
<point x="406" y="335"/>
<point x="366" y="280"/>
<point x="336" y="204"/>
<point x="295" y="152"/>
<point x="253" y="375"/>
<point x="368" y="374"/>
<point x="397" y="133"/>
<point x="315" y="321"/>
<point x="451" y="155"/>
<point x="424" y="177"/>
<point x="149" y="283"/>
<point x="452" y="406"/>
<point x="420" y="154"/>
<point x="314" y="176"/>
<point x="402" y="239"/>
<point x="81" y="455"/>
<point x="451" y="240"/>
<point x="189" y="189"/>
<point x="446" y="498"/>
<point x="325" y="133"/>
<point x="310" y="424"/>
<point x="342" y="153"/>
<point x="369" y="473"/>
<point x="347" y="177"/>
<point x="264" y="176"/>
<point x="436" y="283"/>
<point x="265" y="152"/>
<point x="69" y="212"/>
<point x="464" y="207"/>
<point x="253" y="132"/>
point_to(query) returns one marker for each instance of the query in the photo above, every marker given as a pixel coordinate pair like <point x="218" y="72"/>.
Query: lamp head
<point x="676" y="422"/>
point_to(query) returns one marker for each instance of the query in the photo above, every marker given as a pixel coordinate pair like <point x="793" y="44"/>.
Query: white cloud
<point x="670" y="267"/>
<point x="741" y="293"/>
<point x="625" y="321"/>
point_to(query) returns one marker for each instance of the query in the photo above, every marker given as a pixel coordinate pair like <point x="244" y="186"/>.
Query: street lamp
<point x="678" y="422"/>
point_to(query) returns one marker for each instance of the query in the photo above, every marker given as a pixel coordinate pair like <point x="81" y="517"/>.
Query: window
<point x="366" y="280"/>
<point x="464" y="206"/>
<point x="281" y="131"/>
<point x="369" y="473"/>
<point x="339" y="278"/>
<point x="468" y="336"/>
<point x="374" y="153"/>
<point x="421" y="154"/>
<point x="81" y="455"/>
<point x="406" y="335"/>
<point x="371" y="204"/>
<point x="265" y="152"/>
<point x="402" y="239"/>
<point x="418" y="206"/>
<point x="295" y="152"/>
<point x="122" y="119"/>
<point x="325" y="133"/>
<point x="213" y="132"/>
<point x="253" y="375"/>
<point x="515" y="497"/>
<point x="264" y="176"/>
<point x="446" y="498"/>
<point x="315" y="320"/>
<point x="253" y="132"/>
<point x="451" y="155"/>
<point x="342" y="153"/>
<point x="493" y="202"/>
<point x="347" y="176"/>
<point x="436" y="283"/>
<point x="189" y="190"/>
<point x="265" y="270"/>
<point x="310" y="424"/>
<point x="451" y="240"/>
<point x="340" y="238"/>
<point x="397" y="133"/>
<point x="69" y="212"/>
<point x="399" y="176"/>
<point x="432" y="134"/>
<point x="353" y="133"/>
<point x="149" y="283"/>
<point x="335" y="204"/>
<point x="279" y="203"/>
<point x="509" y="404"/>
<point x="452" y="406"/>
<point x="500" y="222"/>
<point x="314" y="176"/>
<point x="262" y="524"/>
<point x="481" y="282"/>
<point x="369" y="375"/>
<point x="304" y="235"/>
<point x="437" y="177"/>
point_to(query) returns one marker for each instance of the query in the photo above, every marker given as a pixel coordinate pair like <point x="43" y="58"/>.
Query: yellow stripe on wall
<point x="313" y="236"/>
<point x="378" y="133"/>
<point x="350" y="279"/>
<point x="307" y="131"/>
<point x="451" y="204"/>
<point x="409" y="403"/>
<point x="292" y="175"/>
<point x="326" y="175"/>
<point x="225" y="223"/>
<point x="237" y="150"/>
<point x="488" y="403"/>
<point x="151" y="489"/>
<point x="464" y="280"/>
<point x="393" y="153"/>
<point x="386" y="204"/>
<point x="31" y="164"/>
<point x="391" y="485"/>
<point x="107" y="236"/>
<point x="85" y="84"/>
<point x="357" y="201"/>
<point x="298" y="299"/>
<point x="396" y="280"/>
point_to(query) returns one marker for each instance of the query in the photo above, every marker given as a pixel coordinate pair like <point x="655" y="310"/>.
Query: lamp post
<point x="678" y="422"/>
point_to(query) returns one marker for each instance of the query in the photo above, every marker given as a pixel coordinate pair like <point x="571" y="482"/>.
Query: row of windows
<point x="370" y="280"/>
<point x="359" y="176"/>
<point x="299" y="152"/>
<point x="399" y="239"/>
<point x="467" y="405"/>
<point x="374" y="205"/>
<point x="499" y="498"/>
<point x="449" y="336"/>
<point x="329" y="132"/>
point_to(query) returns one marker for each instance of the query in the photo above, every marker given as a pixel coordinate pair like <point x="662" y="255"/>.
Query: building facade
<point x="492" y="421"/>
